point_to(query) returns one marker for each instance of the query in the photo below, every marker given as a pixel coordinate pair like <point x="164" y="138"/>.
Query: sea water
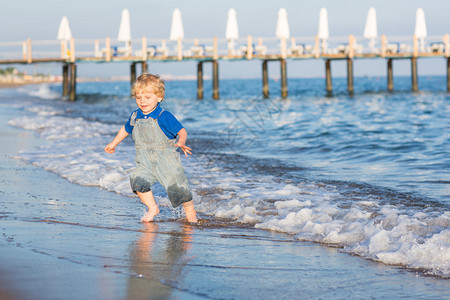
<point x="368" y="173"/>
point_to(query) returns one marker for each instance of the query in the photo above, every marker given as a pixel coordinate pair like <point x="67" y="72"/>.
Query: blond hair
<point x="149" y="83"/>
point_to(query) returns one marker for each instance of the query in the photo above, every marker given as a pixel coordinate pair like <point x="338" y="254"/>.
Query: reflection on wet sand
<point x="157" y="260"/>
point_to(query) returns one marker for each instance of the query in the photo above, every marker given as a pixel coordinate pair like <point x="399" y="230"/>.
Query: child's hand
<point x="183" y="147"/>
<point x="110" y="149"/>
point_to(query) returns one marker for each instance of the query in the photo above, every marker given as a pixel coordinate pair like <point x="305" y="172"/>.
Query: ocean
<point x="366" y="173"/>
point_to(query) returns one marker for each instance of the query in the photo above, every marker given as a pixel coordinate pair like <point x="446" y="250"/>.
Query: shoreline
<point x="6" y="85"/>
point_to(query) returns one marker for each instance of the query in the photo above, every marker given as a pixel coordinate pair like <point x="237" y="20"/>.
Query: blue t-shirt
<point x="166" y="121"/>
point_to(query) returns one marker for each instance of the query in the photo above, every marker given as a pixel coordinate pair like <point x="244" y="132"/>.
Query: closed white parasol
<point x="232" y="31"/>
<point x="124" y="29"/>
<point x="282" y="30"/>
<point x="370" y="30"/>
<point x="177" y="30"/>
<point x="64" y="33"/>
<point x="421" y="28"/>
<point x="323" y="33"/>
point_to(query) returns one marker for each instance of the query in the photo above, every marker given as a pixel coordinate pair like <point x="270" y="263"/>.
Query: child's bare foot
<point x="151" y="214"/>
<point x="191" y="217"/>
<point x="189" y="209"/>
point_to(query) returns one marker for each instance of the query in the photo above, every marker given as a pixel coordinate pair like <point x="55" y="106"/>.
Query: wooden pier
<point x="214" y="50"/>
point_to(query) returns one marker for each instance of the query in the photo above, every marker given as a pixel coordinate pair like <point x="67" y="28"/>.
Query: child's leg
<point x="189" y="209"/>
<point x="148" y="199"/>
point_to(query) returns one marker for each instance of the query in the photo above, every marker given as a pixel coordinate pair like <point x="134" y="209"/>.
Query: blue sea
<point x="367" y="173"/>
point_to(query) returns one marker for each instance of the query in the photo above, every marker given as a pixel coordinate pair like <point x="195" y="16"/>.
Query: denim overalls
<point x="157" y="160"/>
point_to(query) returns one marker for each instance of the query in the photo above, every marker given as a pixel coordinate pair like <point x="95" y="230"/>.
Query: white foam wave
<point x="311" y="211"/>
<point x="42" y="91"/>
<point x="316" y="212"/>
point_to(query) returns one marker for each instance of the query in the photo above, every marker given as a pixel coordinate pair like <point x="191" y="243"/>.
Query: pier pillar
<point x="200" y="80"/>
<point x="284" y="89"/>
<point x="448" y="74"/>
<point x="265" y="78"/>
<point x="144" y="67"/>
<point x="414" y="81"/>
<point x="329" y="85"/>
<point x="215" y="65"/>
<point x="65" y="81"/>
<point x="390" y="75"/>
<point x="73" y="82"/>
<point x="350" y="75"/>
<point x="132" y="73"/>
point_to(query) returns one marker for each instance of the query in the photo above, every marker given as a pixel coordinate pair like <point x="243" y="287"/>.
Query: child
<point x="154" y="131"/>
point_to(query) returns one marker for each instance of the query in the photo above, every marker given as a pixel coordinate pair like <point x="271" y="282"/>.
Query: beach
<point x="13" y="78"/>
<point x="65" y="240"/>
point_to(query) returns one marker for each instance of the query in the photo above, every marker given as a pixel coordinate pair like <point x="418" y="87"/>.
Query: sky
<point x="97" y="19"/>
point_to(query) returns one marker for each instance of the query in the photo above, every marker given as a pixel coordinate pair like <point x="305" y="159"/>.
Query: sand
<point x="14" y="82"/>
<point x="64" y="241"/>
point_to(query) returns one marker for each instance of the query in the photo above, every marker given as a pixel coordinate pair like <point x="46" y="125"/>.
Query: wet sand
<point x="64" y="241"/>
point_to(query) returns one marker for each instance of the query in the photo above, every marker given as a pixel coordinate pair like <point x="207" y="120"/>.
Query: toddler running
<point x="155" y="131"/>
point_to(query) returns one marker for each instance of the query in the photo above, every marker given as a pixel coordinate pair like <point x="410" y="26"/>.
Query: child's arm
<point x="182" y="136"/>
<point x="111" y="147"/>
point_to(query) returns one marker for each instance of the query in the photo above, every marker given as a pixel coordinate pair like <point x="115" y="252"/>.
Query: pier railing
<point x="107" y="49"/>
<point x="265" y="49"/>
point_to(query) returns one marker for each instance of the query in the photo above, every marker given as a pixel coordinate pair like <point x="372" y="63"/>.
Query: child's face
<point x="147" y="101"/>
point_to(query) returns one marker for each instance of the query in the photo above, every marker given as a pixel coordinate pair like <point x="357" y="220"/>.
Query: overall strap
<point x="162" y="110"/>
<point x="133" y="119"/>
